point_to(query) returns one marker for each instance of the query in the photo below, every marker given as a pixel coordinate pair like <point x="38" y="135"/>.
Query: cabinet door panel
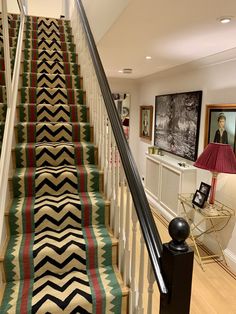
<point x="152" y="177"/>
<point x="170" y="189"/>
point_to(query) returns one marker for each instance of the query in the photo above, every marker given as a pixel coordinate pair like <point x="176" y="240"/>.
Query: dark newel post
<point x="177" y="268"/>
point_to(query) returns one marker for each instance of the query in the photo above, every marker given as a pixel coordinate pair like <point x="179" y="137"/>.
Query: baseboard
<point x="161" y="210"/>
<point x="231" y="259"/>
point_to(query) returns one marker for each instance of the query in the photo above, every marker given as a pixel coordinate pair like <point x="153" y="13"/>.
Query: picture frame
<point x="122" y="102"/>
<point x="145" y="126"/>
<point x="216" y="114"/>
<point x="199" y="199"/>
<point x="205" y="188"/>
<point x="177" y="123"/>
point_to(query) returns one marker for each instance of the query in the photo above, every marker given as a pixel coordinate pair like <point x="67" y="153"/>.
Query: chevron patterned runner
<point x="60" y="256"/>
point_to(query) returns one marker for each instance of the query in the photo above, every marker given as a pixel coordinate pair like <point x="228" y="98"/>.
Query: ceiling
<point x="173" y="32"/>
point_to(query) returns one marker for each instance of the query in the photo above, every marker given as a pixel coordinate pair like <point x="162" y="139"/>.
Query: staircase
<point x="60" y="255"/>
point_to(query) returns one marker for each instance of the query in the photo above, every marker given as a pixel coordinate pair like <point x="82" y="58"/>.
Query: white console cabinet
<point x="165" y="179"/>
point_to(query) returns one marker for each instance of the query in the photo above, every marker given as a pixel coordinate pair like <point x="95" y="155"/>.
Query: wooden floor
<point x="213" y="290"/>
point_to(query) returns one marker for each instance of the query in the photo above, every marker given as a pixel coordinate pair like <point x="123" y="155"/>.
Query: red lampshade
<point x="218" y="158"/>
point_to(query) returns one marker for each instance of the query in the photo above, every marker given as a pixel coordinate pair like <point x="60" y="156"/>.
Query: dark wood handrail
<point x="145" y="217"/>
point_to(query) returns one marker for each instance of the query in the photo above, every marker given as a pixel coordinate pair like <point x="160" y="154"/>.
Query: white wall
<point x="47" y="8"/>
<point x="102" y="14"/>
<point x="129" y="86"/>
<point x="12" y="6"/>
<point x="218" y="83"/>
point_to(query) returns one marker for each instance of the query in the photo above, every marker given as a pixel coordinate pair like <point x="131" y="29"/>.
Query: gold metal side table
<point x="211" y="219"/>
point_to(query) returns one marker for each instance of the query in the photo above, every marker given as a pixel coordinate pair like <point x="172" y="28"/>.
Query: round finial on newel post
<point x="179" y="231"/>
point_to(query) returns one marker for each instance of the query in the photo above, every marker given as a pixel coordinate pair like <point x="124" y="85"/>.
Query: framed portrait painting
<point x="146" y="116"/>
<point x="220" y="126"/>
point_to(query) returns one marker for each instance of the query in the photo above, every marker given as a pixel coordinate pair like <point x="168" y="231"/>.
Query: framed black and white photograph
<point x="205" y="188"/>
<point x="177" y="119"/>
<point x="145" y="127"/>
<point x="199" y="199"/>
<point x="220" y="126"/>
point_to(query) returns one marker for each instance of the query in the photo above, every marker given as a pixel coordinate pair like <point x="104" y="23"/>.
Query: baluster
<point x="123" y="205"/>
<point x="100" y="130"/>
<point x="141" y="276"/>
<point x="133" y="303"/>
<point x="127" y="239"/>
<point x="113" y="183"/>
<point x="109" y="174"/>
<point x="102" y="147"/>
<point x="116" y="190"/>
<point x="106" y="169"/>
<point x="151" y="280"/>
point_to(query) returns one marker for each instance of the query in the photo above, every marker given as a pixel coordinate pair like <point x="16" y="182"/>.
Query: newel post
<point x="177" y="268"/>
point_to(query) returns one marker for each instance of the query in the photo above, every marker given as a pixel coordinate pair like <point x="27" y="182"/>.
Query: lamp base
<point x="213" y="188"/>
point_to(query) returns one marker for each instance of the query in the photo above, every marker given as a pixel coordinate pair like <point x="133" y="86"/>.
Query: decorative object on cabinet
<point x="151" y="150"/>
<point x="205" y="188"/>
<point x="220" y="125"/>
<point x="199" y="199"/>
<point x="213" y="224"/>
<point x="217" y="158"/>
<point x="177" y="119"/>
<point x="164" y="180"/>
<point x="145" y="127"/>
<point x="122" y="102"/>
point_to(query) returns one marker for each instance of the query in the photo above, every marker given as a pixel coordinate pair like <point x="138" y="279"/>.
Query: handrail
<point x="12" y="93"/>
<point x="146" y="220"/>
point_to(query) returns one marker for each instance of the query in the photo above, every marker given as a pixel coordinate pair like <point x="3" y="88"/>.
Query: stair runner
<point x="60" y="254"/>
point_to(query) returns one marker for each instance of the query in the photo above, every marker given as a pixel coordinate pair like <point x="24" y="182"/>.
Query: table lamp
<point x="217" y="158"/>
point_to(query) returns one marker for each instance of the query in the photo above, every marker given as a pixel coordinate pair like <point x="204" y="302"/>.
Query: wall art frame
<point x="177" y="123"/>
<point x="146" y="121"/>
<point x="215" y="112"/>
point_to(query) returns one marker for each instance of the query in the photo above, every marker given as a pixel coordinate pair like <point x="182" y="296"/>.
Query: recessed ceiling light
<point x="225" y="19"/>
<point x="148" y="57"/>
<point x="120" y="71"/>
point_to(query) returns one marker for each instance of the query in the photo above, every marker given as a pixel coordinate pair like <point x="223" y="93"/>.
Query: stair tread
<point x="71" y="291"/>
<point x="58" y="51"/>
<point x="96" y="199"/>
<point x="25" y="145"/>
<point x="50" y="105"/>
<point x="67" y="247"/>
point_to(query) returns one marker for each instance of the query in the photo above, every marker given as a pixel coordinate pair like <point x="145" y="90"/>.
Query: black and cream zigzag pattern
<point x="56" y="180"/>
<point x="53" y="35"/>
<point x="48" y="55"/>
<point x="41" y="35"/>
<point x="54" y="154"/>
<point x="53" y="113"/>
<point x="61" y="293"/>
<point x="52" y="95"/>
<point x="52" y="80"/>
<point x="50" y="67"/>
<point x="49" y="45"/>
<point x="53" y="132"/>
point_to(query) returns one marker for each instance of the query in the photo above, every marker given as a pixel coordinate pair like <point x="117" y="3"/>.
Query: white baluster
<point x="141" y="276"/>
<point x="127" y="240"/>
<point x="151" y="280"/>
<point x="116" y="191"/>
<point x="133" y="303"/>
<point x="123" y="205"/>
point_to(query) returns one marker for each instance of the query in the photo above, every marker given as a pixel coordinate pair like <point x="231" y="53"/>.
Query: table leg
<point x="192" y="237"/>
<point x="218" y="241"/>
